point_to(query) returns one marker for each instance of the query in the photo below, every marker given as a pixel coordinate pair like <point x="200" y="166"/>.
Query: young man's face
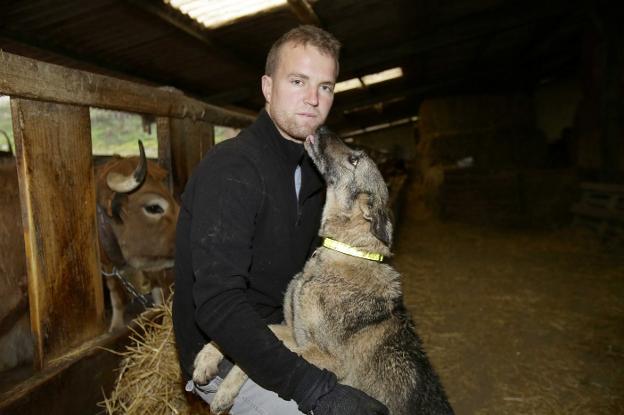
<point x="299" y="93"/>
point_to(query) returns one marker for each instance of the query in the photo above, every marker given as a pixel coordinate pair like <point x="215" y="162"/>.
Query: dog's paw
<point x="206" y="364"/>
<point x="228" y="391"/>
<point x="222" y="401"/>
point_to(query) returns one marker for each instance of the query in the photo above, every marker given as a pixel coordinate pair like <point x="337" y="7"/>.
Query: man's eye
<point x="296" y="82"/>
<point x="328" y="88"/>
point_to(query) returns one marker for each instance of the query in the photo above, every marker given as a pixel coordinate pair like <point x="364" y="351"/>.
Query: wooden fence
<point x="51" y="123"/>
<point x="601" y="209"/>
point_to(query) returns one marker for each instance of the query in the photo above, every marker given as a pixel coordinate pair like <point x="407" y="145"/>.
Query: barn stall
<point x="502" y="140"/>
<point x="50" y="109"/>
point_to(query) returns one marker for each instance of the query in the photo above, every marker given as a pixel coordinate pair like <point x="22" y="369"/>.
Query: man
<point x="248" y="222"/>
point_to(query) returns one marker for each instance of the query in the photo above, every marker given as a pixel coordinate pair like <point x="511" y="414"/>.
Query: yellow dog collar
<point x="349" y="250"/>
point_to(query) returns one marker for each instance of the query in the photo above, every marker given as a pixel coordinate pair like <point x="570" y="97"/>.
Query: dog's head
<point x="357" y="195"/>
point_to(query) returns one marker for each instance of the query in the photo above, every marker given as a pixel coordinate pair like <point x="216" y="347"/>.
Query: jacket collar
<point x="289" y="152"/>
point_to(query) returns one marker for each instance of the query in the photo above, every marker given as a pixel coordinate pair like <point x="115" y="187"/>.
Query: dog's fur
<point x="345" y="313"/>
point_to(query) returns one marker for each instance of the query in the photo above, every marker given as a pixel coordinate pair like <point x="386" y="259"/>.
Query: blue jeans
<point x="252" y="399"/>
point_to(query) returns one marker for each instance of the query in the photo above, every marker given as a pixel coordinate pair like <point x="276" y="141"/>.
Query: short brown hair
<point x="303" y="35"/>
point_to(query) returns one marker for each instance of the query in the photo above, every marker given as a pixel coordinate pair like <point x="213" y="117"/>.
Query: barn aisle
<point x="516" y="322"/>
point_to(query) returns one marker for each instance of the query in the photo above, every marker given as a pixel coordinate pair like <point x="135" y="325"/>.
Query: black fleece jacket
<point x="241" y="237"/>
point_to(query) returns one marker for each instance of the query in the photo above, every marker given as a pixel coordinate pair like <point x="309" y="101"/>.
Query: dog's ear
<point x="379" y="218"/>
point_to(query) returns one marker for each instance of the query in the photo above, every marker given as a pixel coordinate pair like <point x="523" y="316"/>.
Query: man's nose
<point x="311" y="97"/>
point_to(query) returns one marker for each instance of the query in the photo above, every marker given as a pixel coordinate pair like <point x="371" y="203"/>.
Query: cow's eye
<point x="154" y="209"/>
<point x="353" y="159"/>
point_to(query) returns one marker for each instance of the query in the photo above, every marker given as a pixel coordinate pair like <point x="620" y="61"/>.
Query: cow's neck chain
<point x="349" y="250"/>
<point x="127" y="285"/>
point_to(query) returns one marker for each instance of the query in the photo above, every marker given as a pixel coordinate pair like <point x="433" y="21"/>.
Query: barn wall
<point x="505" y="181"/>
<point x="398" y="141"/>
<point x="599" y="125"/>
<point x="556" y="103"/>
<point x="497" y="131"/>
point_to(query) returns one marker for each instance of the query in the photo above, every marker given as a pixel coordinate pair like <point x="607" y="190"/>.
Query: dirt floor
<point x="516" y="322"/>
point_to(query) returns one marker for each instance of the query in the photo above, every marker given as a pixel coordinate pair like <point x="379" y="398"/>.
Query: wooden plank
<point x="163" y="134"/>
<point x="28" y="78"/>
<point x="584" y="210"/>
<point x="57" y="194"/>
<point x="304" y="12"/>
<point x="189" y="142"/>
<point x="74" y="385"/>
<point x="603" y="187"/>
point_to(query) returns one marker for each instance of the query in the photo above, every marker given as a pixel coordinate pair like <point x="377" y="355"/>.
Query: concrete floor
<point x="516" y="322"/>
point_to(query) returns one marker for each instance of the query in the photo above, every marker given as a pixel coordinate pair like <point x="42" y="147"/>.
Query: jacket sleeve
<point x="225" y="202"/>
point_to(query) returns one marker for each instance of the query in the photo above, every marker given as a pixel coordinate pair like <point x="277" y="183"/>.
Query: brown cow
<point x="136" y="218"/>
<point x="15" y="341"/>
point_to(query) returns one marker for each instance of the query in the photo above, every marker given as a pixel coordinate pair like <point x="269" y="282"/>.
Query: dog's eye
<point x="353" y="159"/>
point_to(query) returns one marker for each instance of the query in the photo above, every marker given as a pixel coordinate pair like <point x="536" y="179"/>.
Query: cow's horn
<point x="126" y="184"/>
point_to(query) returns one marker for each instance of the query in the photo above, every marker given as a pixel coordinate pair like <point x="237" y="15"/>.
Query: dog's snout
<point x="323" y="130"/>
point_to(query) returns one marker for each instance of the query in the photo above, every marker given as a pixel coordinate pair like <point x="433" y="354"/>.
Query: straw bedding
<point x="149" y="379"/>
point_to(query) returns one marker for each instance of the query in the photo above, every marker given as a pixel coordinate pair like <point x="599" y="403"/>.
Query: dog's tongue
<point x="310" y="138"/>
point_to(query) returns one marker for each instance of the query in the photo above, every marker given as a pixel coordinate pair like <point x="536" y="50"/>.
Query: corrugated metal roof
<point x="442" y="46"/>
<point x="215" y="13"/>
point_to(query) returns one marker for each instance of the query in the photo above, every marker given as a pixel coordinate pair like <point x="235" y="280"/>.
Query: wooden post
<point x="57" y="192"/>
<point x="163" y="134"/>
<point x="190" y="140"/>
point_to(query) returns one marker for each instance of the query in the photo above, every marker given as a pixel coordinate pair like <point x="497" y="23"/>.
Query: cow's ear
<point x="379" y="217"/>
<point x="116" y="206"/>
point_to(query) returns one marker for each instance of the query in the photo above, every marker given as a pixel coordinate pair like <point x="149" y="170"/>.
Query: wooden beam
<point x="304" y="12"/>
<point x="190" y="140"/>
<point x="57" y="193"/>
<point x="29" y="78"/>
<point x="186" y="24"/>
<point x="72" y="386"/>
<point x="163" y="135"/>
<point x="463" y="30"/>
<point x="47" y="50"/>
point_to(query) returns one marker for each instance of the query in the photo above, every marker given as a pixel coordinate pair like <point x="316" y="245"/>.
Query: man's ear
<point x="377" y="215"/>
<point x="267" y="86"/>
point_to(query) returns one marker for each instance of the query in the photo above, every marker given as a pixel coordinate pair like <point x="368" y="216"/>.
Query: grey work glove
<point x="345" y="400"/>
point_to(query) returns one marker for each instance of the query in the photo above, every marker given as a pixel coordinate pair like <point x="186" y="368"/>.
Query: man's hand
<point x="345" y="400"/>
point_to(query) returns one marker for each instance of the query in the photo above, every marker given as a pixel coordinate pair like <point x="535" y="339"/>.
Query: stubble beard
<point x="288" y="124"/>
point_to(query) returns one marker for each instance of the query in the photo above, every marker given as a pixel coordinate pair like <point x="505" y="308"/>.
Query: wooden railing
<point x="51" y="123"/>
<point x="601" y="208"/>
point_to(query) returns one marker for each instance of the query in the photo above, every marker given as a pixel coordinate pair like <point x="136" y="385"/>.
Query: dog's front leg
<point x="228" y="391"/>
<point x="206" y="364"/>
<point x="316" y="356"/>
<point x="230" y="387"/>
<point x="309" y="352"/>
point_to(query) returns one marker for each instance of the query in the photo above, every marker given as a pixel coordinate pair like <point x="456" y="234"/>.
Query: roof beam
<point x="191" y="28"/>
<point x="304" y="12"/>
<point x="465" y="29"/>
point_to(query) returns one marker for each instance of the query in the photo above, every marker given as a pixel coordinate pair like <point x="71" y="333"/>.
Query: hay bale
<point x="498" y="132"/>
<point x="150" y="380"/>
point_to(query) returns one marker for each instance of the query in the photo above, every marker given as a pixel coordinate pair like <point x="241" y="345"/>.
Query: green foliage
<point x="5" y="124"/>
<point x="112" y="132"/>
<point x="223" y="133"/>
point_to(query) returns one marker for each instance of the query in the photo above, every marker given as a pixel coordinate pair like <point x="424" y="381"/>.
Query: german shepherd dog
<point x="344" y="312"/>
